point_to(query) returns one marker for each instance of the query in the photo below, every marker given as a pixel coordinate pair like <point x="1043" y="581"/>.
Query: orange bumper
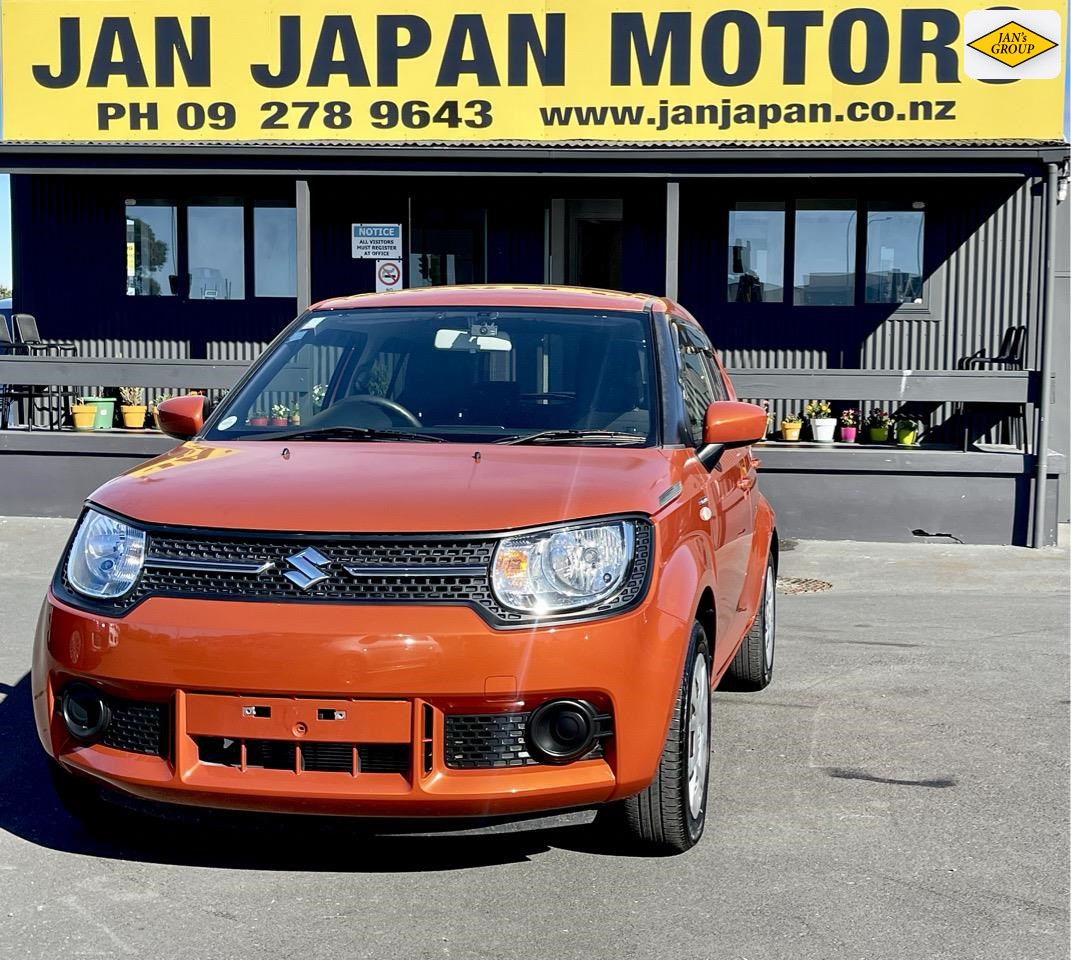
<point x="389" y="675"/>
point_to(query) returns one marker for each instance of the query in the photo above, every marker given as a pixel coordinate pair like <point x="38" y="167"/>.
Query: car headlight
<point x="562" y="569"/>
<point x="106" y="556"/>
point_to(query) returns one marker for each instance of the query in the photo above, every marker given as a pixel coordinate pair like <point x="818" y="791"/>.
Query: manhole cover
<point x="801" y="585"/>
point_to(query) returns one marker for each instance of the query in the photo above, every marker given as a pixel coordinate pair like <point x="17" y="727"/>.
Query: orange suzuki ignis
<point x="455" y="552"/>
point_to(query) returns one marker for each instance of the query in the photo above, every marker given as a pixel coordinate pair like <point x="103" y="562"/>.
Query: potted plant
<point x="154" y="405"/>
<point x="280" y="415"/>
<point x="105" y="407"/>
<point x="319" y="391"/>
<point x="790" y="426"/>
<point x="823" y="423"/>
<point x="132" y="407"/>
<point x="258" y="418"/>
<point x="907" y="431"/>
<point x="877" y="425"/>
<point x="84" y="415"/>
<point x="849" y="424"/>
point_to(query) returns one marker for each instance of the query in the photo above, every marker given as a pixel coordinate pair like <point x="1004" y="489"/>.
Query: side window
<point x="696" y="383"/>
<point x="717" y="382"/>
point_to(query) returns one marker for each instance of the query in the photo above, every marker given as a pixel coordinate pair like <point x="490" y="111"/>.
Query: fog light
<point x="86" y="713"/>
<point x="561" y="731"/>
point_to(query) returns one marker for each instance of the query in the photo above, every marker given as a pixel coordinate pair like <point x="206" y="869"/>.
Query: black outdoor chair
<point x="9" y="393"/>
<point x="27" y="333"/>
<point x="1010" y="355"/>
<point x="52" y="400"/>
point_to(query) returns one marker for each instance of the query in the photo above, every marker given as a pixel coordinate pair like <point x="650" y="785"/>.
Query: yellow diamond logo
<point x="1012" y="44"/>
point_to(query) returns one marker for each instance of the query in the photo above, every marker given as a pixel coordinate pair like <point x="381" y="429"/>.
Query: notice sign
<point x="388" y="275"/>
<point x="377" y="241"/>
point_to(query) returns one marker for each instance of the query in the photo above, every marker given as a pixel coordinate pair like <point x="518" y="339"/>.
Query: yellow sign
<point x="1012" y="44"/>
<point x="416" y="71"/>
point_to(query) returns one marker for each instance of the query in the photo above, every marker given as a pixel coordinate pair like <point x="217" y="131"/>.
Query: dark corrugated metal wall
<point x="985" y="263"/>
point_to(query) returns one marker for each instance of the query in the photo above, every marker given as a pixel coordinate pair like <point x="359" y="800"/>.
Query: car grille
<point x="486" y="740"/>
<point x="355" y="569"/>
<point x="489" y="740"/>
<point x="138" y="727"/>
<point x="353" y="759"/>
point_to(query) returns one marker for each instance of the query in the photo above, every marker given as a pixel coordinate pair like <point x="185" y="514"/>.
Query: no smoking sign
<point x="388" y="275"/>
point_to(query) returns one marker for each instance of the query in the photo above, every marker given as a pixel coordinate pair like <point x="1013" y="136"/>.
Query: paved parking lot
<point x="900" y="791"/>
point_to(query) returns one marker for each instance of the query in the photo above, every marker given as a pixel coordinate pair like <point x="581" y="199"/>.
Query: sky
<point x="5" y="195"/>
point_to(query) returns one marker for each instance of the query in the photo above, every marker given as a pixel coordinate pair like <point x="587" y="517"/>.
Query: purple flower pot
<point x="847" y="434"/>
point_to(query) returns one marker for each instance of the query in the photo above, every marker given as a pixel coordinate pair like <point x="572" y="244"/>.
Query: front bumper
<point x="389" y="676"/>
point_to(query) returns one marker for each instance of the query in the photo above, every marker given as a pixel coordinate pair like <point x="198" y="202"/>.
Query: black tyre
<point x="79" y="796"/>
<point x="668" y="817"/>
<point x="752" y="667"/>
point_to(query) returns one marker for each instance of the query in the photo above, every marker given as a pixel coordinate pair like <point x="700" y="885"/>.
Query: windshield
<point x="458" y="375"/>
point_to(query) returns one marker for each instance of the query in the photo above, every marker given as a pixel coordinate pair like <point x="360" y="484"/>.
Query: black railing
<point x="1018" y="388"/>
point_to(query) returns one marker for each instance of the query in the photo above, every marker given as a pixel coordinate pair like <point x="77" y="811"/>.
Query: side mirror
<point x="182" y="417"/>
<point x="730" y="423"/>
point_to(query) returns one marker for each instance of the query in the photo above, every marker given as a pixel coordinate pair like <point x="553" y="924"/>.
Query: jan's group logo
<point x="1012" y="44"/>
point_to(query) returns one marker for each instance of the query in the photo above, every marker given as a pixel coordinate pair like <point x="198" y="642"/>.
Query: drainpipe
<point x="673" y="229"/>
<point x="1042" y="442"/>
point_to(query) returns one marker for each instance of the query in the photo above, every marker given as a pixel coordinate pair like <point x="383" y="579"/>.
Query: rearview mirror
<point x="472" y="342"/>
<point x="730" y="423"/>
<point x="181" y="417"/>
<point x="733" y="423"/>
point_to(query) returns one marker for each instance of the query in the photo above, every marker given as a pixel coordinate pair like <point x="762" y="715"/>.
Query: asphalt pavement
<point x="899" y="791"/>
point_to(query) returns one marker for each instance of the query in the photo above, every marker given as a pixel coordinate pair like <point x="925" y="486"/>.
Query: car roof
<point x="500" y="295"/>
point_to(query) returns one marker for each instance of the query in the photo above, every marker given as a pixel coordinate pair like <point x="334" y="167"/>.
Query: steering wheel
<point x="392" y="406"/>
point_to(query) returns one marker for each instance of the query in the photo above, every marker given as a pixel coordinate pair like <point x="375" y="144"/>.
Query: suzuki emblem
<point x="308" y="568"/>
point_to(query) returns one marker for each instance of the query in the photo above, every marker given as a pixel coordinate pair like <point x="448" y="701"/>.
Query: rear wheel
<point x="668" y="817"/>
<point x="752" y="667"/>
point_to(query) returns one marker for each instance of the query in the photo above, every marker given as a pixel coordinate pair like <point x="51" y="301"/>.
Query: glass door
<point x="584" y="239"/>
<point x="447" y="245"/>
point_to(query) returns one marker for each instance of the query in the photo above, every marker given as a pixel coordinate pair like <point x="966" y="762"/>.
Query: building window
<point x="151" y="242"/>
<point x="216" y="253"/>
<point x="894" y="237"/>
<point x="274" y="252"/>
<point x="447" y="247"/>
<point x="756" y="252"/>
<point x="824" y="267"/>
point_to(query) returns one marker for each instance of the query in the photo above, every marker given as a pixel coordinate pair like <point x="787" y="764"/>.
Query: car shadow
<point x="31" y="810"/>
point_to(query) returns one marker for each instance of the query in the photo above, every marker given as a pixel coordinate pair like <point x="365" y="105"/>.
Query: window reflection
<point x="894" y="238"/>
<point x="757" y="252"/>
<point x="150" y="250"/>
<point x="824" y="270"/>
<point x="275" y="252"/>
<point x="216" y="253"/>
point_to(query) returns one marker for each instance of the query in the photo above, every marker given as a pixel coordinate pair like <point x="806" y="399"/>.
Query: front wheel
<point x="80" y="797"/>
<point x="668" y="817"/>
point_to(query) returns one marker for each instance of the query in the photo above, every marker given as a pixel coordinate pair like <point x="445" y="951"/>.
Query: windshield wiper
<point x="565" y="436"/>
<point x="347" y="433"/>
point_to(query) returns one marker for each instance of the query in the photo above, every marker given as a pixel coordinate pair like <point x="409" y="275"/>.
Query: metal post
<point x="1042" y="440"/>
<point x="673" y="223"/>
<point x="303" y="210"/>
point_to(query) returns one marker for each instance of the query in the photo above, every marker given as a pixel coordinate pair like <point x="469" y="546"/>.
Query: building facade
<point x="842" y="196"/>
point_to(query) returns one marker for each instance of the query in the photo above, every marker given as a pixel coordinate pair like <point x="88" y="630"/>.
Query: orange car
<point x="454" y="552"/>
